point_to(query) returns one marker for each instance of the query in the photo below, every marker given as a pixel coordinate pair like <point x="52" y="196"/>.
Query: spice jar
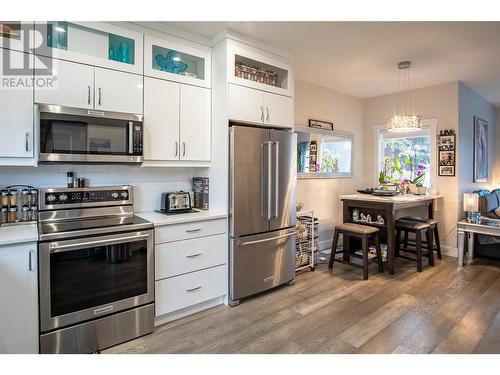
<point x="33" y="197"/>
<point x="13" y="197"/>
<point x="34" y="213"/>
<point x="25" y="197"/>
<point x="4" y="214"/>
<point x="25" y="213"/>
<point x="4" y="197"/>
<point x="12" y="214"/>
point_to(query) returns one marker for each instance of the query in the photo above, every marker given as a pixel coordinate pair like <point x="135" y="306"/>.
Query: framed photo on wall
<point x="480" y="150"/>
<point x="446" y="153"/>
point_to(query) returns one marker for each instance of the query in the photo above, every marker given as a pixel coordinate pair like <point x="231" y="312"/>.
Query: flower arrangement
<point x="389" y="166"/>
<point x="419" y="175"/>
<point x="392" y="171"/>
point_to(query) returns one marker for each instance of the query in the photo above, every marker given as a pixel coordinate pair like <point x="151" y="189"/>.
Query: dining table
<point x="382" y="212"/>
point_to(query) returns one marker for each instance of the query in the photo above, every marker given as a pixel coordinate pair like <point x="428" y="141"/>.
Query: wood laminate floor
<point x="444" y="309"/>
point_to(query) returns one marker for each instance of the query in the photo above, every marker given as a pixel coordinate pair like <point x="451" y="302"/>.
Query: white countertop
<point x="15" y="234"/>
<point x="395" y="199"/>
<point x="159" y="219"/>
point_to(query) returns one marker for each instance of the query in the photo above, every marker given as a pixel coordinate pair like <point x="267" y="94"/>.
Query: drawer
<point x="186" y="290"/>
<point x="186" y="231"/>
<point x="175" y="258"/>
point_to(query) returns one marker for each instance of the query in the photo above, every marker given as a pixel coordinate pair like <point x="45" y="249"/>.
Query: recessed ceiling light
<point x="176" y="58"/>
<point x="60" y="29"/>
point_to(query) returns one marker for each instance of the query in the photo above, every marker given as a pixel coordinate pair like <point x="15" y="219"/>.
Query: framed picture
<point x="320" y="124"/>
<point x="447" y="149"/>
<point x="446" y="170"/>
<point x="480" y="150"/>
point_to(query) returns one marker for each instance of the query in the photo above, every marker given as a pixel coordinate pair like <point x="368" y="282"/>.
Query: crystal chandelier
<point x="404" y="120"/>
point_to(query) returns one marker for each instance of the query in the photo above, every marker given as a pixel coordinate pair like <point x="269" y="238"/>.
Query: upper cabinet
<point x="15" y="35"/>
<point x="175" y="62"/>
<point x="259" y="69"/>
<point x="93" y="43"/>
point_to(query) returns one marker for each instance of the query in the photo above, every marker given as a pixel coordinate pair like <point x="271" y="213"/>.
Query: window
<point x="417" y="148"/>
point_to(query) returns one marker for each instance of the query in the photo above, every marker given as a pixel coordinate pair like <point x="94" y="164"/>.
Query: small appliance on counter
<point x="175" y="203"/>
<point x="18" y="204"/>
<point x="200" y="192"/>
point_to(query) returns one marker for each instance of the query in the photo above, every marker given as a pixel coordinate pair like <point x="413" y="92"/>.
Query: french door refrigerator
<point x="262" y="174"/>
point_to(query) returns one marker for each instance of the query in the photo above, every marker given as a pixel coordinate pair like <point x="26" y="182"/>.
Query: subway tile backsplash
<point x="148" y="183"/>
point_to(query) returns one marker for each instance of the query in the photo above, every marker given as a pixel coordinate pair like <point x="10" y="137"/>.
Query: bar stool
<point x="363" y="232"/>
<point x="434" y="229"/>
<point x="420" y="229"/>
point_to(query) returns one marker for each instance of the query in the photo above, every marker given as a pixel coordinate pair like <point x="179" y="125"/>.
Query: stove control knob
<point x="63" y="197"/>
<point x="51" y="197"/>
<point x="124" y="194"/>
<point x="114" y="195"/>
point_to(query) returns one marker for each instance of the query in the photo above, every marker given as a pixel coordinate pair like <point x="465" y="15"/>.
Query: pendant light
<point x="404" y="120"/>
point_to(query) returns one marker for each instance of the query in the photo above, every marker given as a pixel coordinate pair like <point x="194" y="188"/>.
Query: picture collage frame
<point x="446" y="153"/>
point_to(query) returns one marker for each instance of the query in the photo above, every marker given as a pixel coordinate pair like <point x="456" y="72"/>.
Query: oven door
<point x="80" y="135"/>
<point x="93" y="277"/>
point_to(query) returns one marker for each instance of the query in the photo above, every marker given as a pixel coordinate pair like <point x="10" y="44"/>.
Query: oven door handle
<point x="54" y="248"/>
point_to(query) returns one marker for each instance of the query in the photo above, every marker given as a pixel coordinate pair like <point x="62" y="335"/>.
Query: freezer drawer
<point x="261" y="262"/>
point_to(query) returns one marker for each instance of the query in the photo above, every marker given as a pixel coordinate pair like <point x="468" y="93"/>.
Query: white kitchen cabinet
<point x="73" y="86"/>
<point x="195" y="123"/>
<point x="16" y="115"/>
<point x="259" y="107"/>
<point x="84" y="86"/>
<point x="161" y="119"/>
<point x="93" y="43"/>
<point x="177" y="122"/>
<point x="19" y="296"/>
<point x="278" y="110"/>
<point x="167" y="59"/>
<point x="117" y="91"/>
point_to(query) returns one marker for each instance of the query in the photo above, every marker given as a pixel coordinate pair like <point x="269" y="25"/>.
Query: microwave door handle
<point x="55" y="248"/>
<point x="131" y="138"/>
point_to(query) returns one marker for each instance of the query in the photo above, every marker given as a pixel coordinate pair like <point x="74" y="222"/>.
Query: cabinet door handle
<point x="194" y="255"/>
<point x="267" y="117"/>
<point x="183" y="149"/>
<point x="27" y="141"/>
<point x="30" y="261"/>
<point x="193" y="289"/>
<point x="88" y="95"/>
<point x="176" y="146"/>
<point x="193" y="230"/>
<point x="261" y="113"/>
<point x="100" y="95"/>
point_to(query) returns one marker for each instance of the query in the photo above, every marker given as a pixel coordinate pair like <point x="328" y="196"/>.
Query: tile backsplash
<point x="148" y="183"/>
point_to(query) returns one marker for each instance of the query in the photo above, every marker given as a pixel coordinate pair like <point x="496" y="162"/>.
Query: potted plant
<point x="416" y="184"/>
<point x="386" y="177"/>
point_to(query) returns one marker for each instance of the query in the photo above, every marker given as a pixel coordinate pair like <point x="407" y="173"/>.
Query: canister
<point x="25" y="197"/>
<point x="34" y="213"/>
<point x="33" y="197"/>
<point x="4" y="197"/>
<point x="13" y="197"/>
<point x="25" y="213"/>
<point x="4" y="214"/>
<point x="12" y="214"/>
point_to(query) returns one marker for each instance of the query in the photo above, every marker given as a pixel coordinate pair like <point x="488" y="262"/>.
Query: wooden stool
<point x="434" y="229"/>
<point x="419" y="229"/>
<point x="364" y="233"/>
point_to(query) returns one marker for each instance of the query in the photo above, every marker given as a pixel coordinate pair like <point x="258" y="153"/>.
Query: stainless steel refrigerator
<point x="262" y="174"/>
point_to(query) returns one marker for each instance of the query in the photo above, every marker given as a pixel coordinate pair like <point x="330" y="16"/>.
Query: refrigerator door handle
<point x="267" y="239"/>
<point x="269" y="177"/>
<point x="276" y="178"/>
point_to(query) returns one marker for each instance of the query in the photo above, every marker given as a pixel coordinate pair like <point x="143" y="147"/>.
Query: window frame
<point x="427" y="124"/>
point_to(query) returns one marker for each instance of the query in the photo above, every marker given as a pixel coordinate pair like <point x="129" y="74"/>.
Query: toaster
<point x="179" y="201"/>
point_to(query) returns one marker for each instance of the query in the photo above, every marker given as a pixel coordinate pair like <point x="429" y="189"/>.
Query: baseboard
<point x="449" y="251"/>
<point x="174" y="315"/>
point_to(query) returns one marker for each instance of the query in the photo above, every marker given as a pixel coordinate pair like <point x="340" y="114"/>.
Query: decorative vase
<point x="412" y="188"/>
<point x="422" y="190"/>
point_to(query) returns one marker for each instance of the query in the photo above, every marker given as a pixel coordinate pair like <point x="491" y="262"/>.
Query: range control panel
<point x="81" y="197"/>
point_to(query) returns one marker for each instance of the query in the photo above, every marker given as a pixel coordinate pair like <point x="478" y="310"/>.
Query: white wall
<point x="346" y="113"/>
<point x="148" y="183"/>
<point x="472" y="104"/>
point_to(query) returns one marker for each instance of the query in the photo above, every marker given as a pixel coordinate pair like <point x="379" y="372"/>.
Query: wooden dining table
<point x="381" y="212"/>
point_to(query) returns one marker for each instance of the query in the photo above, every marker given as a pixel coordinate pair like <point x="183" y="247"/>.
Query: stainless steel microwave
<point x="88" y="136"/>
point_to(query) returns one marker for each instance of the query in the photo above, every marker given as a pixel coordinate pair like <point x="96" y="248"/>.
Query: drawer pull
<point x="194" y="255"/>
<point x="193" y="289"/>
<point x="193" y="230"/>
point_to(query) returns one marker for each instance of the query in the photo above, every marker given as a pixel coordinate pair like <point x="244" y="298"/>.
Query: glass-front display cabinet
<point x="14" y="35"/>
<point x="259" y="69"/>
<point x="93" y="43"/>
<point x="176" y="62"/>
<point x="324" y="153"/>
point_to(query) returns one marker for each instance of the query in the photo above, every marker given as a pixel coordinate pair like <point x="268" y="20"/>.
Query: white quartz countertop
<point x="396" y="199"/>
<point x="159" y="219"/>
<point x="15" y="234"/>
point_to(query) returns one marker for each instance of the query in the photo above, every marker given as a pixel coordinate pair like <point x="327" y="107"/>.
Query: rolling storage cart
<point x="306" y="254"/>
